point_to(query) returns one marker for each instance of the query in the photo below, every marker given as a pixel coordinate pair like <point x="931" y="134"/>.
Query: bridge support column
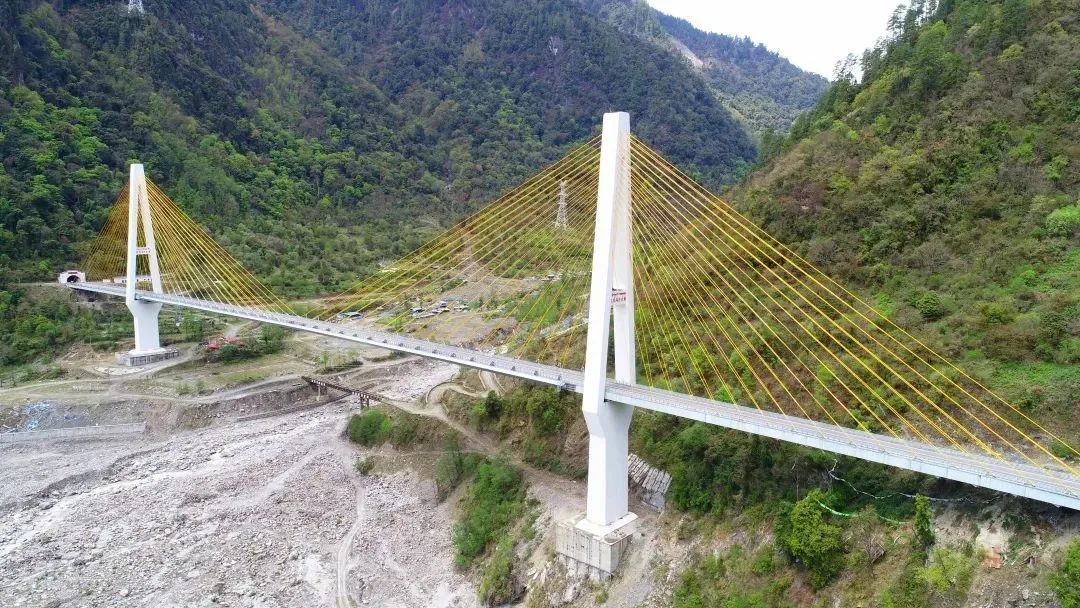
<point x="147" y="339"/>
<point x="597" y="541"/>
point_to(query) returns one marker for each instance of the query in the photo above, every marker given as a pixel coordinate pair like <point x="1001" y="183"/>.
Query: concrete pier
<point x="591" y="550"/>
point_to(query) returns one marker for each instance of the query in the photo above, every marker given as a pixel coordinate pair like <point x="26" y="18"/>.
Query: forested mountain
<point x="295" y="128"/>
<point x="946" y="183"/>
<point x="764" y="90"/>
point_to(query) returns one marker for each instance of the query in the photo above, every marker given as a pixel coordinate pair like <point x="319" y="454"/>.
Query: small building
<point x="71" y="276"/>
<point x="217" y="343"/>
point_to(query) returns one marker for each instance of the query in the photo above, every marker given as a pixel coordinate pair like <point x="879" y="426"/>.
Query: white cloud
<point x="812" y="34"/>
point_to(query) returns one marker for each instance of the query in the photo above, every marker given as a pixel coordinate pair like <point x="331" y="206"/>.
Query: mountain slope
<point x="945" y="185"/>
<point x="295" y="128"/>
<point x="763" y="89"/>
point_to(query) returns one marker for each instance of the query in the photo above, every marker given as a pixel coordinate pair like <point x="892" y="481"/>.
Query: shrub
<point x="688" y="593"/>
<point x="948" y="572"/>
<point x="451" y="468"/>
<point x="869" y="539"/>
<point x="403" y="430"/>
<point x="369" y="428"/>
<point x="1066" y="582"/>
<point x="487" y="409"/>
<point x="493" y="503"/>
<point x="499" y="586"/>
<point x="1013" y="342"/>
<point x="762" y="563"/>
<point x="930" y="306"/>
<point x="1064" y="221"/>
<point x="365" y="464"/>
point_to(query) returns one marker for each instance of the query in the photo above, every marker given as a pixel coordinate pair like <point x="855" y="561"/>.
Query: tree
<point x="924" y="522"/>
<point x="868" y="536"/>
<point x="272" y="337"/>
<point x="818" y="544"/>
<point x="948" y="572"/>
<point x="191" y="326"/>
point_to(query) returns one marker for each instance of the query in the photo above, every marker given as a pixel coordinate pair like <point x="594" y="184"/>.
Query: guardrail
<point x="74" y="432"/>
<point x="1044" y="484"/>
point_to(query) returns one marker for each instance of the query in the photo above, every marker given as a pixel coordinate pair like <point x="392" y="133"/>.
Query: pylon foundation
<point x="133" y="358"/>
<point x="587" y="549"/>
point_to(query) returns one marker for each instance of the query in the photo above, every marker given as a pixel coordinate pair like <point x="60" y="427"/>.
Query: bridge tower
<point x="597" y="541"/>
<point x="147" y="340"/>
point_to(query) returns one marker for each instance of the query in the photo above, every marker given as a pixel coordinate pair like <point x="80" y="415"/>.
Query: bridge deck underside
<point x="1047" y="485"/>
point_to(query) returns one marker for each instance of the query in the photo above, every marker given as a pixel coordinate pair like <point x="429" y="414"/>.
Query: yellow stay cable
<point x="672" y="254"/>
<point x="183" y="244"/>
<point x="564" y="251"/>
<point x="868" y="368"/>
<point x="564" y="247"/>
<point x="242" y="282"/>
<point x="645" y="239"/>
<point x="664" y="307"/>
<point x="563" y="165"/>
<point x="543" y="180"/>
<point x="992" y="452"/>
<point x="518" y="210"/>
<point x="772" y="243"/>
<point x="688" y="256"/>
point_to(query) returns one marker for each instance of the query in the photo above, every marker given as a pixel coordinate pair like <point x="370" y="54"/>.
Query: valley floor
<point x="263" y="513"/>
<point x="214" y="508"/>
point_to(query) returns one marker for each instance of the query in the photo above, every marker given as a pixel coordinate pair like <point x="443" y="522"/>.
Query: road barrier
<point x="75" y="432"/>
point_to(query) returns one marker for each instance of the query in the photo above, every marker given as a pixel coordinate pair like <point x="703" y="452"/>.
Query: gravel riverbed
<point x="264" y="513"/>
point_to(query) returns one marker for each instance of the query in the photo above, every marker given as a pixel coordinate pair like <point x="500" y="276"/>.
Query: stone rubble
<point x="234" y="515"/>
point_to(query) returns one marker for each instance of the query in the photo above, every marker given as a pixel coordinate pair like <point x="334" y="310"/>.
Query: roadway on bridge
<point x="1048" y="485"/>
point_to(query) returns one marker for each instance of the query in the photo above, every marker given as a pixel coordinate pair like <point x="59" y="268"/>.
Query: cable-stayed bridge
<point x="612" y="260"/>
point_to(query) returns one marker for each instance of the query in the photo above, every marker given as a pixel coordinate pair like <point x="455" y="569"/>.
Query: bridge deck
<point x="1048" y="485"/>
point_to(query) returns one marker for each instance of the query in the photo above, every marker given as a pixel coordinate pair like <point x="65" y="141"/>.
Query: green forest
<point x="763" y="90"/>
<point x="290" y="132"/>
<point x="944" y="184"/>
<point x="313" y="140"/>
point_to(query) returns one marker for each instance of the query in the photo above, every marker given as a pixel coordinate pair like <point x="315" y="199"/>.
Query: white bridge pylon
<point x="612" y="288"/>
<point x="147" y="338"/>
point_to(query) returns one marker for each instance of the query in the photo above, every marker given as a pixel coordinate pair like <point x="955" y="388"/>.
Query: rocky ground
<point x="264" y="513"/>
<point x="209" y="510"/>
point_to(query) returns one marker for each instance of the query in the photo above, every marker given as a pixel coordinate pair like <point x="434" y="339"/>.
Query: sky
<point x="812" y="34"/>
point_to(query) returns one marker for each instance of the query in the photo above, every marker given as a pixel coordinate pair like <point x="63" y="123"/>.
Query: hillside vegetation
<point x="314" y="140"/>
<point x="296" y="129"/>
<point x="762" y="89"/>
<point x="944" y="184"/>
